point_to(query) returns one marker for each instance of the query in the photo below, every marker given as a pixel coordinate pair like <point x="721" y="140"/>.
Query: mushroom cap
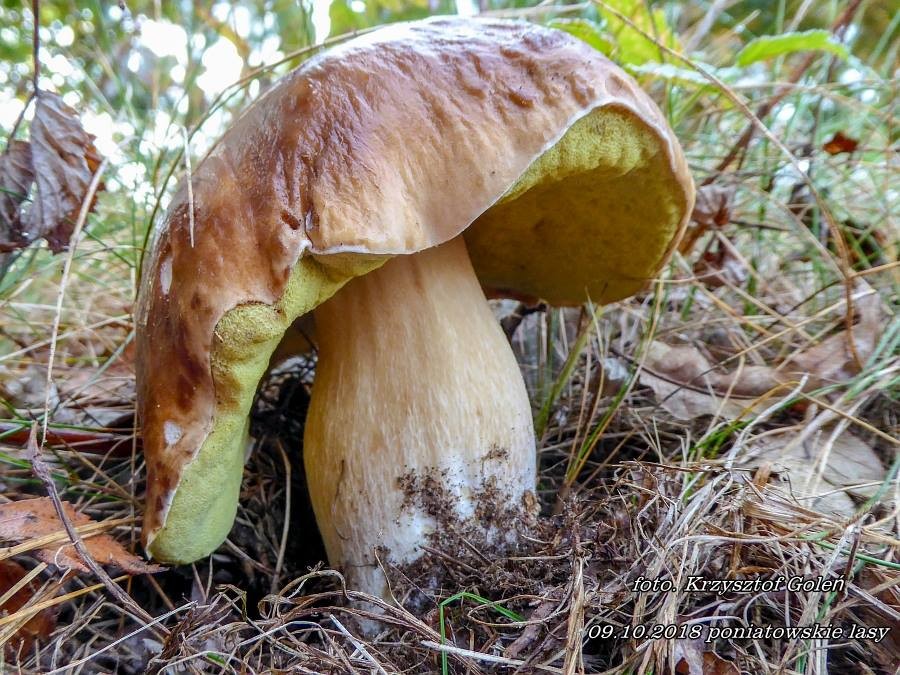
<point x="391" y="143"/>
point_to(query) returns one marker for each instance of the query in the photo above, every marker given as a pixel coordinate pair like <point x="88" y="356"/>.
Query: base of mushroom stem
<point x="490" y="520"/>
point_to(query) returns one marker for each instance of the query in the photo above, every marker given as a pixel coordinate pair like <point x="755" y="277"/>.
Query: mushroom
<point x="381" y="187"/>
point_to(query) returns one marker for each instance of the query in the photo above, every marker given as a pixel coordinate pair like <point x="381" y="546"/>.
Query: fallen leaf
<point x="26" y="387"/>
<point x="840" y="143"/>
<point x="63" y="160"/>
<point x="16" y="177"/>
<point x="713" y="204"/>
<point x="688" y="657"/>
<point x="39" y="626"/>
<point x="716" y="665"/>
<point x="712" y="209"/>
<point x="31" y="519"/>
<point x="687" y="385"/>
<point x="822" y="476"/>
<point x="116" y="443"/>
<point x="534" y="629"/>
<point x="720" y="267"/>
<point x="832" y="360"/>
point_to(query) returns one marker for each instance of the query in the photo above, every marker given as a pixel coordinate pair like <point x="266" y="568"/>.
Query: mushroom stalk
<point x="416" y="384"/>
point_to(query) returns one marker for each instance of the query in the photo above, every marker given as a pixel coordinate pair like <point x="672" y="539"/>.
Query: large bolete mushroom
<point x="382" y="186"/>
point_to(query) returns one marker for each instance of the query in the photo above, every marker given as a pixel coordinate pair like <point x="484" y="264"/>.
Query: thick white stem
<point x="415" y="380"/>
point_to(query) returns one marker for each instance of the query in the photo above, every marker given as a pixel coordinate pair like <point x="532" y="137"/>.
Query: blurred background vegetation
<point x="139" y="71"/>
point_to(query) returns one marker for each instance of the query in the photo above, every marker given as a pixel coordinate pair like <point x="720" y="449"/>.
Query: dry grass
<point x="640" y="477"/>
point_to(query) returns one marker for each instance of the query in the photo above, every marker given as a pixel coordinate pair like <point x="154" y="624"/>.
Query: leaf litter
<point x="35" y="524"/>
<point x="687" y="384"/>
<point x="54" y="170"/>
<point x="668" y="519"/>
<point x="831" y="472"/>
<point x="16" y="591"/>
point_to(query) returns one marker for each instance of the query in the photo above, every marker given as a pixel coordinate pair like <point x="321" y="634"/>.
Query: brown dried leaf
<point x="840" y="143"/>
<point x="712" y="209"/>
<point x="534" y="630"/>
<point x="63" y="160"/>
<point x="687" y="385"/>
<point x="851" y="467"/>
<point x="716" y="665"/>
<point x="720" y="267"/>
<point x="832" y="360"/>
<point x="713" y="205"/>
<point x="16" y="177"/>
<point x="31" y="519"/>
<point x="37" y="627"/>
<point x="688" y="657"/>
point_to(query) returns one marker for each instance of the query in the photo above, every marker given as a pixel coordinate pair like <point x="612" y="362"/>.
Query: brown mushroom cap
<point x="387" y="145"/>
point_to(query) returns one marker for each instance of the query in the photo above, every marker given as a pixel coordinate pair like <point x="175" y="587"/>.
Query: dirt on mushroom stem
<point x="497" y="529"/>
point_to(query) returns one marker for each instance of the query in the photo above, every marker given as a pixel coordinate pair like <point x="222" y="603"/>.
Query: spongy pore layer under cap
<point x="593" y="218"/>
